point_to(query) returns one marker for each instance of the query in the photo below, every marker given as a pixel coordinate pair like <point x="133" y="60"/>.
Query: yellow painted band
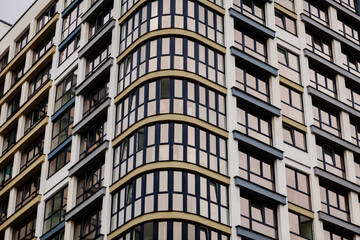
<point x="21" y="177"/>
<point x="291" y="84"/>
<point x="25" y="109"/>
<point x="301" y="210"/>
<point x="163" y="165"/>
<point x="135" y="7"/>
<point x="167" y="32"/>
<point x="169" y="117"/>
<point x="294" y="124"/>
<point x="285" y="10"/>
<point x="30" y="136"/>
<point x="169" y="216"/>
<point x="169" y="73"/>
<point x="35" y="40"/>
<point x="21" y="214"/>
<point x="37" y="67"/>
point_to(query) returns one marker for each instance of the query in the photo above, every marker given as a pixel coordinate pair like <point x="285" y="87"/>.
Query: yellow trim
<point x="291" y="84"/>
<point x="169" y="216"/>
<point x="166" y="32"/>
<point x="28" y="138"/>
<point x="163" y="165"/>
<point x="21" y="213"/>
<point x="135" y="7"/>
<point x="294" y="124"/>
<point x="23" y="176"/>
<point x="25" y="108"/>
<point x="169" y="117"/>
<point x="285" y="10"/>
<point x="31" y="73"/>
<point x="170" y="73"/>
<point x="301" y="210"/>
<point x="35" y="40"/>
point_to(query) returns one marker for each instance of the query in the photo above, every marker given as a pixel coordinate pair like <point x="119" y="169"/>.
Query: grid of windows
<point x="171" y="96"/>
<point x="320" y="45"/>
<point x="65" y="90"/>
<point x="289" y="66"/>
<point x="172" y="230"/>
<point x="170" y="141"/>
<point x="256" y="169"/>
<point x="253" y="9"/>
<point x="31" y="152"/>
<point x="46" y="16"/>
<point x="330" y="159"/>
<point x="172" y="53"/>
<point x="322" y="80"/>
<point x="250" y="43"/>
<point x="88" y="227"/>
<point x="316" y="11"/>
<point x="326" y="119"/>
<point x="27" y="191"/>
<point x="62" y="128"/>
<point x="285" y="22"/>
<point x="334" y="202"/>
<point x="294" y="137"/>
<point x="71" y="21"/>
<point x="170" y="191"/>
<point x="93" y="138"/>
<point x="254" y="125"/>
<point x="291" y="104"/>
<point x="252" y="82"/>
<point x="37" y="82"/>
<point x="55" y="209"/>
<point x="298" y="188"/>
<point x="258" y="216"/>
<point x="161" y="14"/>
<point x="60" y="160"/>
<point x="67" y="50"/>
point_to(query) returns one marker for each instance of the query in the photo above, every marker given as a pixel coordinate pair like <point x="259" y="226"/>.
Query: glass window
<point x="97" y="24"/>
<point x="4" y="60"/>
<point x="6" y="174"/>
<point x="67" y="50"/>
<point x="331" y="233"/>
<point x="350" y="61"/>
<point x="9" y="139"/>
<point x="250" y="44"/>
<point x="89" y="183"/>
<point x="291" y="102"/>
<point x="294" y="137"/>
<point x="39" y="80"/>
<point x="27" y="191"/>
<point x="62" y="128"/>
<point x="334" y="202"/>
<point x="98" y="57"/>
<point x="71" y="21"/>
<point x="25" y="229"/>
<point x="322" y="80"/>
<point x="65" y="90"/>
<point x="326" y="119"/>
<point x="348" y="29"/>
<point x="285" y="22"/>
<point x="355" y="132"/>
<point x="353" y="96"/>
<point x="3" y="209"/>
<point x="43" y="47"/>
<point x="289" y="65"/>
<point x="21" y="43"/>
<point x="58" y="236"/>
<point x="298" y="188"/>
<point x="94" y="137"/>
<point x="31" y="152"/>
<point x="18" y="73"/>
<point x="350" y="4"/>
<point x="330" y="159"/>
<point x="55" y="209"/>
<point x="96" y="96"/>
<point x="36" y="115"/>
<point x="253" y="9"/>
<point x="13" y="106"/>
<point x="46" y="16"/>
<point x="320" y="45"/>
<point x="316" y="11"/>
<point x="88" y="227"/>
<point x="59" y="160"/>
<point x="300" y="226"/>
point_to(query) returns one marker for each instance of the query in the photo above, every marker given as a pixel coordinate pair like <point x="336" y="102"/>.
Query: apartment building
<point x="181" y="119"/>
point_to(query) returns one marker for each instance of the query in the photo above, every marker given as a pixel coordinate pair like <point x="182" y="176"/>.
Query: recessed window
<point x="65" y="90"/>
<point x="289" y="65"/>
<point x="294" y="137"/>
<point x="59" y="160"/>
<point x="70" y="21"/>
<point x="23" y="40"/>
<point x="62" y="128"/>
<point x="300" y="226"/>
<point x="291" y="103"/>
<point x="285" y="22"/>
<point x="4" y="61"/>
<point x="55" y="209"/>
<point x="298" y="188"/>
<point x="69" y="48"/>
<point x="46" y="16"/>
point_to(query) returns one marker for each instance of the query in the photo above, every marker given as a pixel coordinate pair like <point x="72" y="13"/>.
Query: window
<point x="94" y="137"/>
<point x="355" y="132"/>
<point x="100" y="21"/>
<point x="252" y="82"/>
<point x="289" y="4"/>
<point x="27" y="191"/>
<point x="291" y="103"/>
<point x="31" y="152"/>
<point x="36" y="115"/>
<point x="351" y="62"/>
<point x="3" y="209"/>
<point x="250" y="44"/>
<point x="298" y="189"/>
<point x="6" y="174"/>
<point x="285" y="22"/>
<point x="65" y="90"/>
<point x="90" y="183"/>
<point x="350" y="4"/>
<point x="257" y="170"/>
<point x="62" y="128"/>
<point x="18" y="73"/>
<point x="320" y="45"/>
<point x="357" y="170"/>
<point x="46" y="16"/>
<point x="300" y="226"/>
<point x="316" y="11"/>
<point x="59" y="160"/>
<point x="349" y="29"/>
<point x="330" y="159"/>
<point x="67" y="50"/>
<point x="97" y="96"/>
<point x="258" y="216"/>
<point x="88" y="227"/>
<point x="4" y="61"/>
<point x="58" y="236"/>
<point x="13" y="106"/>
<point x="253" y="9"/>
<point x="37" y="82"/>
<point x="98" y="57"/>
<point x="294" y="137"/>
<point x="255" y="126"/>
<point x="55" y="209"/>
<point x="70" y="21"/>
<point x="322" y="80"/>
<point x="326" y="119"/>
<point x="23" y="40"/>
<point x="333" y="234"/>
<point x="334" y="202"/>
<point x="43" y="47"/>
<point x="26" y="229"/>
<point x="9" y="139"/>
<point x="353" y="96"/>
<point x="289" y="65"/>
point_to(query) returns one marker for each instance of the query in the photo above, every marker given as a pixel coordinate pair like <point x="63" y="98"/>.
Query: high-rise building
<point x="181" y="119"/>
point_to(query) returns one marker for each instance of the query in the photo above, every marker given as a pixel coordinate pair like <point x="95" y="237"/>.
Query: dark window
<point x="4" y="61"/>
<point x="26" y="229"/>
<point x="322" y="80"/>
<point x="38" y="81"/>
<point x="31" y="152"/>
<point x="316" y="11"/>
<point x="251" y="8"/>
<point x="59" y="160"/>
<point x="320" y="45"/>
<point x="285" y="22"/>
<point x="300" y="226"/>
<point x="18" y="73"/>
<point x="326" y="119"/>
<point x="98" y="57"/>
<point x="9" y="139"/>
<point x="3" y="209"/>
<point x="294" y="137"/>
<point x="13" y="106"/>
<point x="334" y="202"/>
<point x="251" y="44"/>
<point x="71" y="21"/>
<point x="97" y="96"/>
<point x="62" y="128"/>
<point x="69" y="48"/>
<point x="55" y="209"/>
<point x="89" y="226"/>
<point x="65" y="90"/>
<point x="6" y="174"/>
<point x="100" y="21"/>
<point x="21" y="43"/>
<point x="27" y="191"/>
<point x="330" y="159"/>
<point x="37" y="114"/>
<point x="93" y="138"/>
<point x="43" y="47"/>
<point x="46" y="16"/>
<point x="298" y="188"/>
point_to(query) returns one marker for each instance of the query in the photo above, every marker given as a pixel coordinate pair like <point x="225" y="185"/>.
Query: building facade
<point x="181" y="119"/>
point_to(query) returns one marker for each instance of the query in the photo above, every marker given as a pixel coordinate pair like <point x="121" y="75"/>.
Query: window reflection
<point x="298" y="189"/>
<point x="326" y="119"/>
<point x="330" y="159"/>
<point x="334" y="202"/>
